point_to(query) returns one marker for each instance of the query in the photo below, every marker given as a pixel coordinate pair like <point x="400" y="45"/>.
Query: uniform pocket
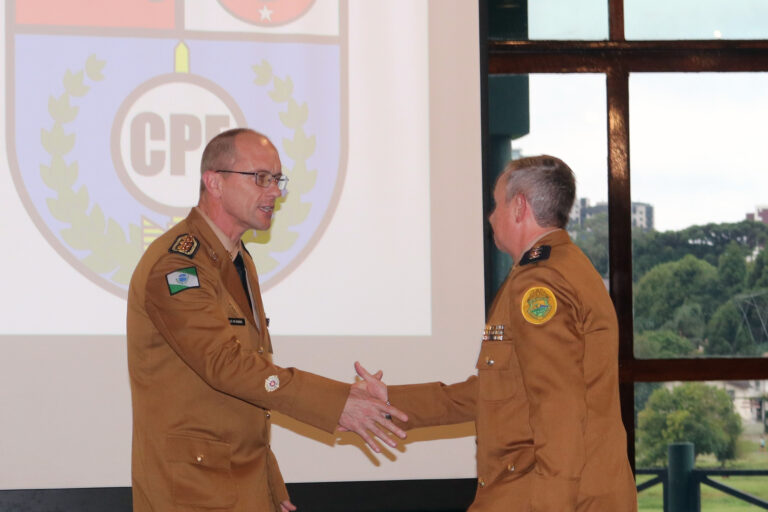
<point x="518" y="463"/>
<point x="497" y="371"/>
<point x="201" y="472"/>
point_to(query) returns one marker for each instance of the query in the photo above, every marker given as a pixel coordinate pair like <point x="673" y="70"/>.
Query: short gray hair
<point x="548" y="185"/>
<point x="220" y="152"/>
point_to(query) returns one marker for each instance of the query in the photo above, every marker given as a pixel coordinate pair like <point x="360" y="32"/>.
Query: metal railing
<point x="682" y="483"/>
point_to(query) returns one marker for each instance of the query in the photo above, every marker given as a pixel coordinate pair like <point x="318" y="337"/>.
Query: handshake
<point x="367" y="410"/>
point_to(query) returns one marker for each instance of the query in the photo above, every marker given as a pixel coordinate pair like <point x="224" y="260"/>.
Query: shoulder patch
<point x="182" y="279"/>
<point x="185" y="244"/>
<point x="538" y="305"/>
<point x="538" y="253"/>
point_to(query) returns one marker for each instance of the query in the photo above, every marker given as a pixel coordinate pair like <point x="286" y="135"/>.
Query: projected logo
<point x="108" y="112"/>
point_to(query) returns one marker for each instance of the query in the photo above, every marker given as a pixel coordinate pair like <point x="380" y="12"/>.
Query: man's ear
<point x="212" y="181"/>
<point x="521" y="205"/>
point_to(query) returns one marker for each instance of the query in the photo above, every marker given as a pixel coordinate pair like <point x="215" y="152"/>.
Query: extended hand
<point x="372" y="383"/>
<point x="287" y="506"/>
<point x="364" y="414"/>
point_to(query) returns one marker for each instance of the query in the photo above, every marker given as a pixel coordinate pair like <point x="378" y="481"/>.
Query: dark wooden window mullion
<point x="633" y="56"/>
<point x="714" y="368"/>
<point x="620" y="236"/>
<point x="616" y="20"/>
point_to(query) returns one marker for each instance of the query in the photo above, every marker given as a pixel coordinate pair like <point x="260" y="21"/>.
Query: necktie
<point x="240" y="266"/>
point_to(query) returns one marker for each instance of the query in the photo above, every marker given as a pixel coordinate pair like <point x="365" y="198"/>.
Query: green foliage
<point x="592" y="239"/>
<point x="692" y="412"/>
<point x="689" y="322"/>
<point x="726" y="334"/>
<point x="707" y="242"/>
<point x="732" y="268"/>
<point x="662" y="344"/>
<point x="669" y="286"/>
<point x="757" y="275"/>
<point x="643" y="392"/>
<point x="691" y="283"/>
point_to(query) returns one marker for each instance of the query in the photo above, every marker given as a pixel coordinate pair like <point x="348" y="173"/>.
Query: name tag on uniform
<point x="237" y="321"/>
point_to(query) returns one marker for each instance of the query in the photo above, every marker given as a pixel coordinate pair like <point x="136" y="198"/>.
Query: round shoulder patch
<point x="539" y="305"/>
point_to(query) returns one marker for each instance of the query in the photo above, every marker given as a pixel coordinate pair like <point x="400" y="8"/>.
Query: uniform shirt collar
<point x="231" y="248"/>
<point x="538" y="239"/>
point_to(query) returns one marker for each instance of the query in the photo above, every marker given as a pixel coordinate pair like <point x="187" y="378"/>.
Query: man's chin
<point x="262" y="224"/>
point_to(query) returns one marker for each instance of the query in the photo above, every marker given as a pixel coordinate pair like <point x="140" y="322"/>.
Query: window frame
<point x="617" y="58"/>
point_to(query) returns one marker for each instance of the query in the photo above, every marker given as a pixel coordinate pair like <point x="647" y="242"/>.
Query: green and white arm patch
<point x="182" y="279"/>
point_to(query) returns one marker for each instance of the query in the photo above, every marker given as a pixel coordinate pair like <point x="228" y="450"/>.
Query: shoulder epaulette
<point x="185" y="244"/>
<point x="538" y="253"/>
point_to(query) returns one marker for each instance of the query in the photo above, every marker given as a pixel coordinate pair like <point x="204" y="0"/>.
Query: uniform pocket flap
<point x="521" y="461"/>
<point x="193" y="450"/>
<point x="494" y="355"/>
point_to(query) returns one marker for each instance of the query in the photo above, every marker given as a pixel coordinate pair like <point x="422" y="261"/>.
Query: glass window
<point x="695" y="19"/>
<point x="566" y="19"/>
<point x="724" y="420"/>
<point x="567" y="120"/>
<point x="518" y="20"/>
<point x="700" y="226"/>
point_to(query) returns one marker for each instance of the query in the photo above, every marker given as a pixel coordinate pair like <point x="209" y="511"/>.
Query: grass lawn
<point x="712" y="500"/>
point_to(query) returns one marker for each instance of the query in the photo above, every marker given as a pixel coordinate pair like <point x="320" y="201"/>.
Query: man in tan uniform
<point x="545" y="401"/>
<point x="202" y="382"/>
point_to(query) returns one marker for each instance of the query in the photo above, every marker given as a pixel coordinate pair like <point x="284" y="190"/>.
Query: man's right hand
<point x="367" y="411"/>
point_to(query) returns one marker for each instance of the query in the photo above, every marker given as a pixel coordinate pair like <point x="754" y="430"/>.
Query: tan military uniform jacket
<point x="545" y="400"/>
<point x="202" y="381"/>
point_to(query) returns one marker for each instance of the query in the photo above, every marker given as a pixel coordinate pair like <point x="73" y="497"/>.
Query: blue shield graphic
<point x="106" y="119"/>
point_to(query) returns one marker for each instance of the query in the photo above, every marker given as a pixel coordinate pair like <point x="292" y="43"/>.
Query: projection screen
<point x="375" y="254"/>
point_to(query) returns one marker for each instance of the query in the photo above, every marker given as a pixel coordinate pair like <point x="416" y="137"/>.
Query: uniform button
<point x="489" y="361"/>
<point x="199" y="459"/>
<point x="267" y="415"/>
<point x="511" y="467"/>
<point x="481" y="482"/>
<point x="260" y="350"/>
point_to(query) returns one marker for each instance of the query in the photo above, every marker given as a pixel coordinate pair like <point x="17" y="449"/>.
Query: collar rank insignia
<point x="185" y="244"/>
<point x="538" y="253"/>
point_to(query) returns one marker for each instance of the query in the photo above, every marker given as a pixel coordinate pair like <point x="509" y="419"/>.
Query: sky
<point x="650" y="19"/>
<point x="696" y="139"/>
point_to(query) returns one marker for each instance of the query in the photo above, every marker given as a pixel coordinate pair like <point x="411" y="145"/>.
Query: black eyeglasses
<point x="263" y="178"/>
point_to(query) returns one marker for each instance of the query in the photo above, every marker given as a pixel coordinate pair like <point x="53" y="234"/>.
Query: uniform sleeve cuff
<point x="320" y="401"/>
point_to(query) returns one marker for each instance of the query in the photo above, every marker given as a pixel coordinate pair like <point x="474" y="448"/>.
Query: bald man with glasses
<point x="202" y="379"/>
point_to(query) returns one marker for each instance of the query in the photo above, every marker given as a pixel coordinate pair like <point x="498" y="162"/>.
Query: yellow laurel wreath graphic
<point x="110" y="251"/>
<point x="292" y="210"/>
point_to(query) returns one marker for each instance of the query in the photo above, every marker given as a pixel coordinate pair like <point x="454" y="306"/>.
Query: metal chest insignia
<point x="271" y="383"/>
<point x="493" y="332"/>
<point x="538" y="305"/>
<point x="185" y="244"/>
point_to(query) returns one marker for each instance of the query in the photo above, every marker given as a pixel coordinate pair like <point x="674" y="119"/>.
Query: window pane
<point x="548" y="19"/>
<point x="566" y="19"/>
<point x="723" y="420"/>
<point x="695" y="19"/>
<point x="567" y="120"/>
<point x="698" y="179"/>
